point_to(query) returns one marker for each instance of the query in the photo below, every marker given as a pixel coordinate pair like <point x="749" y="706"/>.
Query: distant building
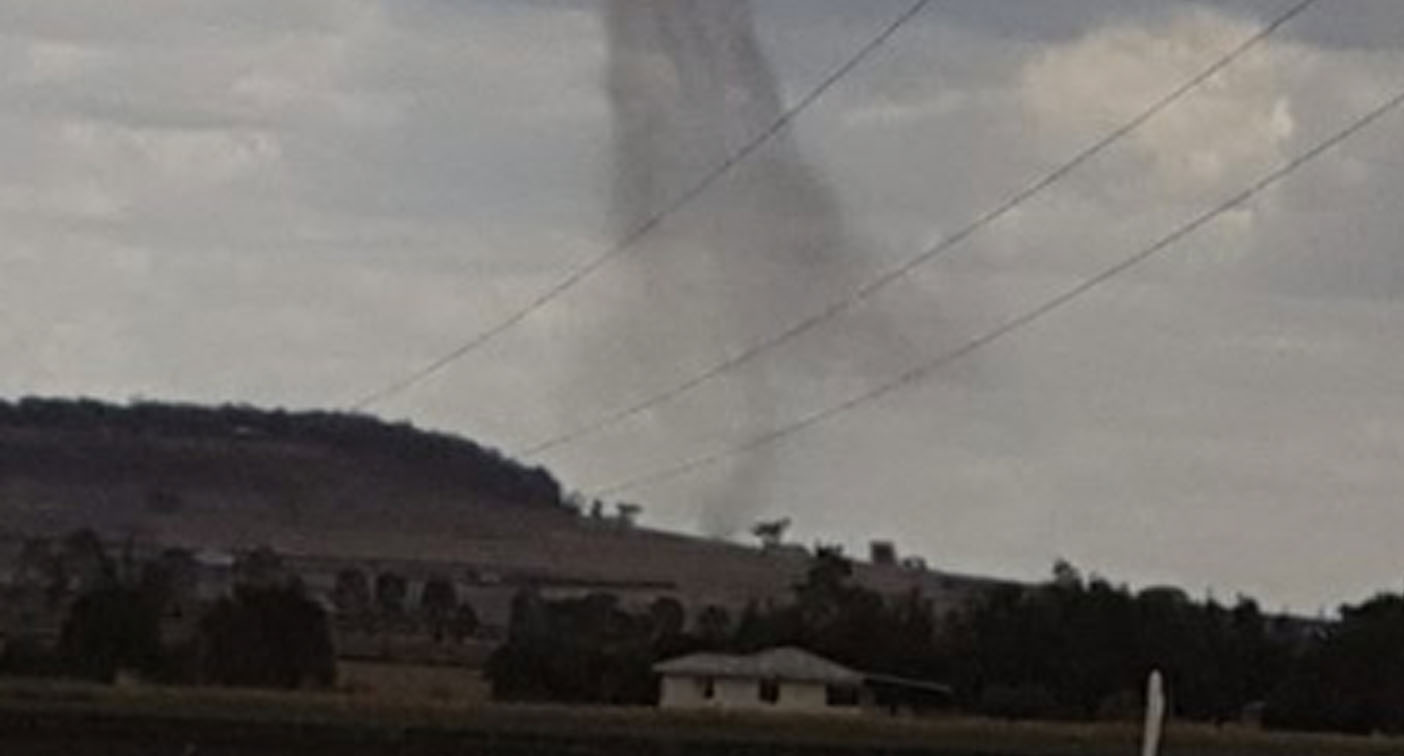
<point x="789" y="680"/>
<point x="782" y="679"/>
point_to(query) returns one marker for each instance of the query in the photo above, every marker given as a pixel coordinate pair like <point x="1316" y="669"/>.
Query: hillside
<point x="338" y="490"/>
<point x="151" y="468"/>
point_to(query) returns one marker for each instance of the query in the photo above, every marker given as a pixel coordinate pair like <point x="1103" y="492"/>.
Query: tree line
<point x="124" y="616"/>
<point x="593" y="649"/>
<point x="1072" y="648"/>
<point x="382" y="605"/>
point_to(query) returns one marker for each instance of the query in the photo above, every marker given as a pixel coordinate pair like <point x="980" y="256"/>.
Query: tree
<point x="771" y="532"/>
<point x="821" y="597"/>
<point x="39" y="571"/>
<point x="437" y="603"/>
<point x="668" y="615"/>
<point x="464" y="624"/>
<point x="1065" y="575"/>
<point x="351" y="597"/>
<point x="170" y="583"/>
<point x="111" y="628"/>
<point x="266" y="636"/>
<point x="391" y="592"/>
<point x="261" y="567"/>
<point x="575" y="650"/>
<point x="1353" y="681"/>
<point x="628" y="514"/>
<point x="115" y="622"/>
<point x="36" y="566"/>
<point x="1078" y="647"/>
<point x="267" y="633"/>
<point x="173" y="575"/>
<point x="713" y="625"/>
<point x="84" y="560"/>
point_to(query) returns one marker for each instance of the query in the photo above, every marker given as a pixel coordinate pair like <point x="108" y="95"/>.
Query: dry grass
<point x="953" y="735"/>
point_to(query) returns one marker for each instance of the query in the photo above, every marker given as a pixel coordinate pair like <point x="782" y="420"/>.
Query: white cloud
<point x="1213" y="140"/>
<point x="52" y="61"/>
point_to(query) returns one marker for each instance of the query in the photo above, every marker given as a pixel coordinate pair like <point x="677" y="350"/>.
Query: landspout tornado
<point x="689" y="87"/>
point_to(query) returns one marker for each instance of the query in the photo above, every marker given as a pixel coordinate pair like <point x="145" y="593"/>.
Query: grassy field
<point x="47" y="718"/>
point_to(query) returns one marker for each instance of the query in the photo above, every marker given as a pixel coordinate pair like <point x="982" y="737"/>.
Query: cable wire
<point x="1013" y="325"/>
<point x="900" y="271"/>
<point x="583" y="272"/>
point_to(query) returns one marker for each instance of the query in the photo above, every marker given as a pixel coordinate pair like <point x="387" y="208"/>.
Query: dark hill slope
<point x="238" y="474"/>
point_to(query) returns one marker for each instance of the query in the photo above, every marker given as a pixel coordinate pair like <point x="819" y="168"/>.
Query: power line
<point x="920" y="372"/>
<point x="902" y="270"/>
<point x="653" y="223"/>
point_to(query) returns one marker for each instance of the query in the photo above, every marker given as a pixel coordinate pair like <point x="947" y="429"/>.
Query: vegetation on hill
<point x="592" y="650"/>
<point x="1082" y="648"/>
<point x="143" y="618"/>
<point x="445" y="457"/>
<point x="1069" y="649"/>
<point x="1352" y="680"/>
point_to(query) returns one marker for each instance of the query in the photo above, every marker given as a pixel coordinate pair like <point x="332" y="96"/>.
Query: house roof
<point x="793" y="664"/>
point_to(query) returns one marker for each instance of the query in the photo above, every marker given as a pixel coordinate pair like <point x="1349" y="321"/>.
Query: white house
<point x="781" y="679"/>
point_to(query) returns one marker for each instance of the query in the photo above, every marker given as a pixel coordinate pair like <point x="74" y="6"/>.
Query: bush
<point x="111" y="629"/>
<point x="1122" y="706"/>
<point x="1024" y="701"/>
<point x="26" y="657"/>
<point x="271" y="636"/>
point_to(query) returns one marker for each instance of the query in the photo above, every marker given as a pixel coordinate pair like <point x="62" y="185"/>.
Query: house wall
<point x="801" y="697"/>
<point x="795" y="697"/>
<point x="682" y="693"/>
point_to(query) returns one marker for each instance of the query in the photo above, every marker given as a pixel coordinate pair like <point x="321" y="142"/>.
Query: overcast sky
<point x="292" y="202"/>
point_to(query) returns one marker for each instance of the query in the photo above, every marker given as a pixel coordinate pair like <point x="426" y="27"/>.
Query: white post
<point x="1155" y="714"/>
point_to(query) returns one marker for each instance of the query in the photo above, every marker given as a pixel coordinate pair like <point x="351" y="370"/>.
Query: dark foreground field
<point x="82" y="721"/>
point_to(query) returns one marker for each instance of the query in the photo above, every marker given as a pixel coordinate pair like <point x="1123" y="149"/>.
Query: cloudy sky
<point x="293" y="202"/>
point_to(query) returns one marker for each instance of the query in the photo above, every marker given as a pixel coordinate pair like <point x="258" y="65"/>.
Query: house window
<point x="770" y="691"/>
<point x="708" y="688"/>
<point x="841" y="695"/>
